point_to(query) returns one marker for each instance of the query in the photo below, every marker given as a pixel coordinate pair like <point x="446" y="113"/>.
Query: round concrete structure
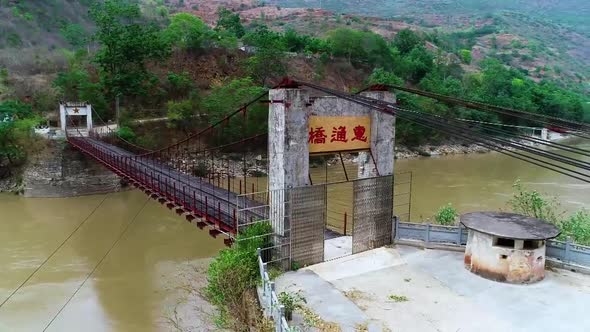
<point x="506" y="247"/>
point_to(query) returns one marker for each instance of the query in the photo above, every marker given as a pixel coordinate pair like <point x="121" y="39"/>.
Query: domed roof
<point x="509" y="225"/>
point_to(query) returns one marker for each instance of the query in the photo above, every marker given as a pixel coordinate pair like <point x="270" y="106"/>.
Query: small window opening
<point x="532" y="244"/>
<point x="504" y="242"/>
<point x="503" y="256"/>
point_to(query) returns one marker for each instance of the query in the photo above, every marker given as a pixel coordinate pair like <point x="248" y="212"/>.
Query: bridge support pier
<point x="288" y="151"/>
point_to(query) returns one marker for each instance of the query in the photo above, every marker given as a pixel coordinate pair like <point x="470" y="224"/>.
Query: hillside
<point x="544" y="39"/>
<point x="551" y="38"/>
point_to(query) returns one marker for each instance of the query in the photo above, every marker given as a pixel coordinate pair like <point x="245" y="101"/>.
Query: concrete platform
<point x="410" y="289"/>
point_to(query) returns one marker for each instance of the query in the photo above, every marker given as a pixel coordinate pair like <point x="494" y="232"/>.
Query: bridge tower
<point x="300" y="125"/>
<point x="82" y="110"/>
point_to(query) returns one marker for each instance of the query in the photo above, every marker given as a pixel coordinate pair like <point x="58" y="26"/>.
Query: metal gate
<point x="308" y="222"/>
<point x="372" y="213"/>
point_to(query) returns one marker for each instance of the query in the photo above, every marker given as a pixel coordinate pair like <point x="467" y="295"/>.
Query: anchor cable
<point x="99" y="263"/>
<point x="55" y="251"/>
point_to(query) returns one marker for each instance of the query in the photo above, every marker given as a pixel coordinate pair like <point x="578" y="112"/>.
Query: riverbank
<point x="12" y="183"/>
<point x="48" y="172"/>
<point x="58" y="170"/>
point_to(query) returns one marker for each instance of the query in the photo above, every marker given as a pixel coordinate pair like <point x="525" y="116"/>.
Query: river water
<point x="132" y="262"/>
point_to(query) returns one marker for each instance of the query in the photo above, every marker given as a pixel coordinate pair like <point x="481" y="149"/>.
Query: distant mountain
<point x="52" y="24"/>
<point x="570" y="13"/>
<point x="548" y="38"/>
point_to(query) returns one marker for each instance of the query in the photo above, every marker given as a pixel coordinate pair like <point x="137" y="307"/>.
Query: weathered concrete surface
<point x="443" y="296"/>
<point x="363" y="263"/>
<point x="514" y="265"/>
<point x="324" y="300"/>
<point x="61" y="171"/>
<point x="337" y="247"/>
<point x="382" y="140"/>
<point x="509" y="225"/>
<point x="288" y="151"/>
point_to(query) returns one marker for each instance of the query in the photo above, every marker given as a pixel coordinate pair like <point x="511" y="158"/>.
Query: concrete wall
<point x="62" y="171"/>
<point x="506" y="264"/>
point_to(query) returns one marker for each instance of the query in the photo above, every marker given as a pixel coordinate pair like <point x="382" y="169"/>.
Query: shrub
<point x="466" y="56"/>
<point x="533" y="204"/>
<point x="126" y="133"/>
<point x="446" y="215"/>
<point x="234" y="273"/>
<point x="577" y="227"/>
<point x="201" y="169"/>
<point x="291" y="301"/>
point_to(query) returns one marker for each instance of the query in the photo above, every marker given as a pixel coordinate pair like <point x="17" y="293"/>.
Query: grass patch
<point x="398" y="298"/>
<point x="313" y="320"/>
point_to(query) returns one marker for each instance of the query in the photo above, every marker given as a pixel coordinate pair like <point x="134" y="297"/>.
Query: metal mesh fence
<point x="308" y="222"/>
<point x="372" y="216"/>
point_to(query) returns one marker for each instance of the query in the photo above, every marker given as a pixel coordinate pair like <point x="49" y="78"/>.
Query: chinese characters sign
<point x="339" y="133"/>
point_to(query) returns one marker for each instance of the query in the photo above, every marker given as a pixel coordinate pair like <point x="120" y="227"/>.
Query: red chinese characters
<point x="359" y="134"/>
<point x="317" y="135"/>
<point x="339" y="134"/>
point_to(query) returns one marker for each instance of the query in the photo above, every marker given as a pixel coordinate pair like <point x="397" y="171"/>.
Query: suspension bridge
<point x="173" y="175"/>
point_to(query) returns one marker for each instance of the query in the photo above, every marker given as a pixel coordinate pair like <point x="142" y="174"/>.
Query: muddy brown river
<point x="132" y="263"/>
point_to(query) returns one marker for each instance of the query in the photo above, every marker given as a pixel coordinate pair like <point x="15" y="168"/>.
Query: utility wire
<point x="55" y="251"/>
<point x="523" y="157"/>
<point x="99" y="263"/>
<point x="393" y="109"/>
<point x="535" y="117"/>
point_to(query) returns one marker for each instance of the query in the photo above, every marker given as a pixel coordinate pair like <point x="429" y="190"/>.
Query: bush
<point x="234" y="273"/>
<point x="201" y="169"/>
<point x="466" y="56"/>
<point x="446" y="215"/>
<point x="533" y="204"/>
<point x="577" y="227"/>
<point x="291" y="301"/>
<point x="126" y="133"/>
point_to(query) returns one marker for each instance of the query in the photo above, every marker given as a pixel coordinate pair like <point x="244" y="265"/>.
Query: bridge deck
<point x="184" y="192"/>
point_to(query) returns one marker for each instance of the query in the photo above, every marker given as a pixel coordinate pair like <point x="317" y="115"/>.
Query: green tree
<point x="269" y="59"/>
<point x="416" y="64"/>
<point x="230" y="22"/>
<point x="16" y="123"/>
<point x="346" y="43"/>
<point x="127" y="42"/>
<point x="446" y="215"/>
<point x="75" y="35"/>
<point x="268" y="62"/>
<point x="181" y="114"/>
<point x="381" y="76"/>
<point x="179" y="85"/>
<point x="187" y="31"/>
<point x="76" y="84"/>
<point x="229" y="97"/>
<point x="466" y="56"/>
<point x="406" y="40"/>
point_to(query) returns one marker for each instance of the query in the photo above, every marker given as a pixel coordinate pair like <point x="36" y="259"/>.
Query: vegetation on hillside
<point x="126" y="59"/>
<point x="16" y="137"/>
